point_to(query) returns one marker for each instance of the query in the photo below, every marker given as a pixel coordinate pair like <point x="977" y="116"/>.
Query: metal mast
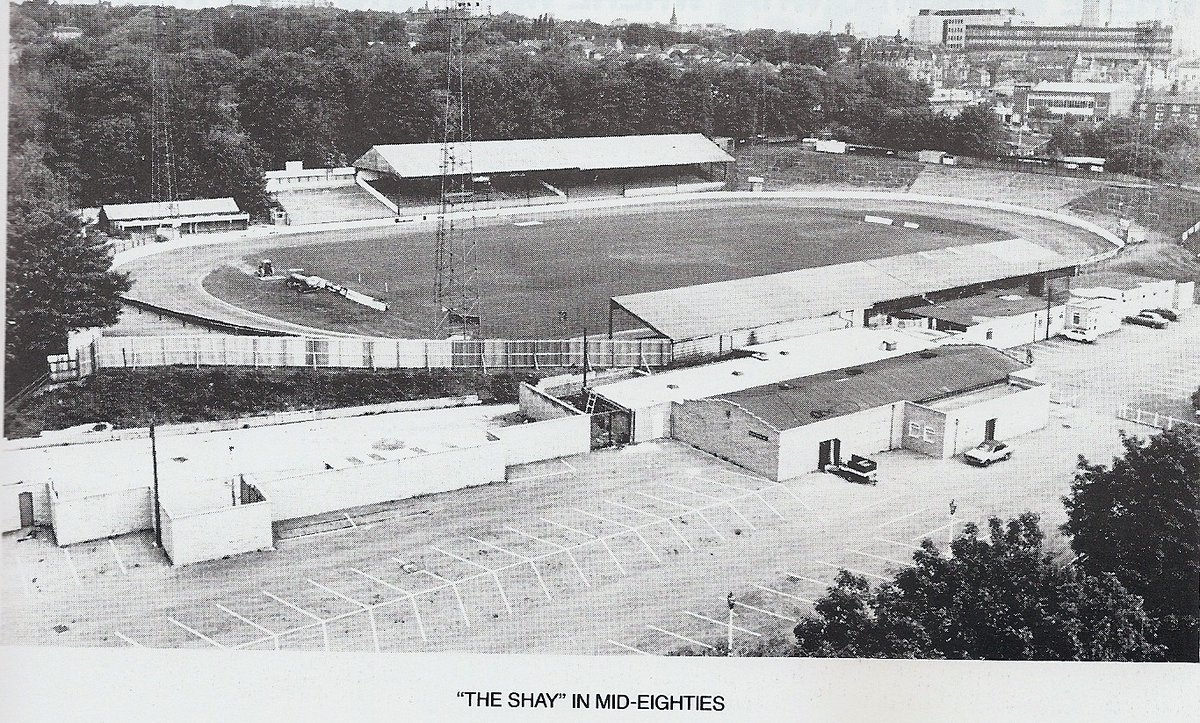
<point x="456" y="257"/>
<point x="162" y="160"/>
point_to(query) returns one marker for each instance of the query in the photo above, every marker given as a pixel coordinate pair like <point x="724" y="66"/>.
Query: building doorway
<point x="989" y="430"/>
<point x="830" y="453"/>
<point x="25" y="501"/>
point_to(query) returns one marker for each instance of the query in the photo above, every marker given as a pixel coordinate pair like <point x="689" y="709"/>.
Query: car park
<point x="987" y="452"/>
<point x="1154" y="321"/>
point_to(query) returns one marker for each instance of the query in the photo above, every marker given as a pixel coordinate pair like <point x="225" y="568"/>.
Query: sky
<point x="870" y="17"/>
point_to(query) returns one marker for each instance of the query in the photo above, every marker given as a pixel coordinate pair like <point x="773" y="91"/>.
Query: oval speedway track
<point x="172" y="277"/>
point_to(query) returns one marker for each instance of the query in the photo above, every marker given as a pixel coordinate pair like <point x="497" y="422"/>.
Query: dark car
<point x="1168" y="314"/>
<point x="856" y="469"/>
<point x="1154" y="321"/>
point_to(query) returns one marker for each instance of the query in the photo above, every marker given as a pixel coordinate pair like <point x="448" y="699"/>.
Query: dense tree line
<point x="252" y="88"/>
<point x="1133" y="145"/>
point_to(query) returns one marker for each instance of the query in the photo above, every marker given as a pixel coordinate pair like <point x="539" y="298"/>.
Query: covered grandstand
<point x="717" y="317"/>
<point x="548" y="168"/>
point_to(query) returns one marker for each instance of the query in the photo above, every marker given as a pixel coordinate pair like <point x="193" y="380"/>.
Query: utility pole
<point x="585" y="357"/>
<point x="154" y="465"/>
<point x="729" y="641"/>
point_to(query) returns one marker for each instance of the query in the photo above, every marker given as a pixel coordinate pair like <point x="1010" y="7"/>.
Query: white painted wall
<point x="1017" y="413"/>
<point x="10" y="504"/>
<point x="653" y="422"/>
<point x="548" y="439"/>
<point x="1010" y="331"/>
<point x="79" y="519"/>
<point x="214" y="534"/>
<point x="866" y="432"/>
<point x="540" y="405"/>
<point x="424" y="474"/>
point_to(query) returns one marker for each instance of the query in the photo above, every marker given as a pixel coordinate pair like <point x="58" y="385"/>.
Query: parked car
<point x="857" y="469"/>
<point x="987" y="452"/>
<point x="1168" y="314"/>
<point x="1154" y="321"/>
<point x="1087" y="336"/>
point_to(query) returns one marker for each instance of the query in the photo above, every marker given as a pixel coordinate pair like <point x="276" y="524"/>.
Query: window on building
<point x="988" y="335"/>
<point x="1075" y="319"/>
<point x="929" y="434"/>
<point x="914" y="429"/>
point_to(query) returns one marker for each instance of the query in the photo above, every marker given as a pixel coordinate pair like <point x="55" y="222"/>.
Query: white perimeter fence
<point x="93" y="352"/>
<point x="1154" y="419"/>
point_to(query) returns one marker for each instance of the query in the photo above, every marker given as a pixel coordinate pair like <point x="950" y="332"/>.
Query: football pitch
<point x="530" y="272"/>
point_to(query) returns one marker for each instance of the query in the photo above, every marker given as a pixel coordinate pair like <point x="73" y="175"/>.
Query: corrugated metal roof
<point x="972" y="310"/>
<point x="704" y="310"/>
<point x="917" y="377"/>
<point x="422" y="160"/>
<point x="191" y="207"/>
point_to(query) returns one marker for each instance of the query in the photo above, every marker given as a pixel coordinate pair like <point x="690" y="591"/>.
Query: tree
<point x="1139" y="519"/>
<point x="59" y="275"/>
<point x="1001" y="598"/>
<point x="1140" y="159"/>
<point x="976" y="131"/>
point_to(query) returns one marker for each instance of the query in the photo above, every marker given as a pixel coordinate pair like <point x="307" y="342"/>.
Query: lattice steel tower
<point x="162" y="158"/>
<point x="456" y="257"/>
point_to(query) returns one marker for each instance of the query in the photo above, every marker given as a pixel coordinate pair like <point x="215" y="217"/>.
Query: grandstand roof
<point x="192" y="207"/>
<point x="704" y="310"/>
<point x="422" y="160"/>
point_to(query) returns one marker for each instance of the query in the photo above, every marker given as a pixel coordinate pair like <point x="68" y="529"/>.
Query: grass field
<point x="531" y="273"/>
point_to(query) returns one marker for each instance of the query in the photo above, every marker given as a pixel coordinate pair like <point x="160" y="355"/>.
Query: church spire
<point x="674" y="20"/>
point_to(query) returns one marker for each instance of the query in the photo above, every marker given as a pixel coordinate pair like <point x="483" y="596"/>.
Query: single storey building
<point x="198" y="215"/>
<point x="940" y="402"/>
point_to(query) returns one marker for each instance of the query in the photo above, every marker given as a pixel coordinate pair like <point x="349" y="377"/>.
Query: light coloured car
<point x="987" y="452"/>
<point x="1087" y="336"/>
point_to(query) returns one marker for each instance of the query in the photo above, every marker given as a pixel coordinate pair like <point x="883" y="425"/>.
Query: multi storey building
<point x="1164" y="108"/>
<point x="1083" y="101"/>
<point x="947" y="27"/>
<point x="1149" y="42"/>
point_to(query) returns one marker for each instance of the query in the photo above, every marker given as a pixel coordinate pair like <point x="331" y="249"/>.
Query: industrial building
<point x="717" y="317"/>
<point x="199" y="215"/>
<point x="938" y="402"/>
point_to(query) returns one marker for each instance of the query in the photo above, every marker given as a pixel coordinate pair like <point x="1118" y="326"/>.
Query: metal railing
<point x="1154" y="419"/>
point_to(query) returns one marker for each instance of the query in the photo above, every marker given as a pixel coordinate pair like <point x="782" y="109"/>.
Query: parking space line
<point x="460" y="559"/>
<point x="622" y="524"/>
<point x="629" y="647"/>
<point x="397" y="588"/>
<point x="696" y="492"/>
<point x="117" y="556"/>
<point x="771" y="507"/>
<point x="71" y="562"/>
<point x="795" y="597"/>
<point x="297" y="608"/>
<point x="681" y="637"/>
<point x="569" y="554"/>
<point x="532" y="566"/>
<point x="885" y="559"/>
<point x="722" y="623"/>
<point x="197" y="633"/>
<point x="533" y="477"/>
<point x="660" y="518"/>
<point x="614" y="557"/>
<point x="568" y="466"/>
<point x="901" y="544"/>
<point x="453" y="586"/>
<point x="765" y="612"/>
<point x="808" y="579"/>
<point x="250" y="622"/>
<point x="567" y="527"/>
<point x="350" y="520"/>
<point x="738" y="512"/>
<point x="127" y="639"/>
<point x="923" y="535"/>
<point x="873" y="504"/>
<point x="726" y="484"/>
<point x="368" y="610"/>
<point x="850" y="569"/>
<point x="903" y="517"/>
